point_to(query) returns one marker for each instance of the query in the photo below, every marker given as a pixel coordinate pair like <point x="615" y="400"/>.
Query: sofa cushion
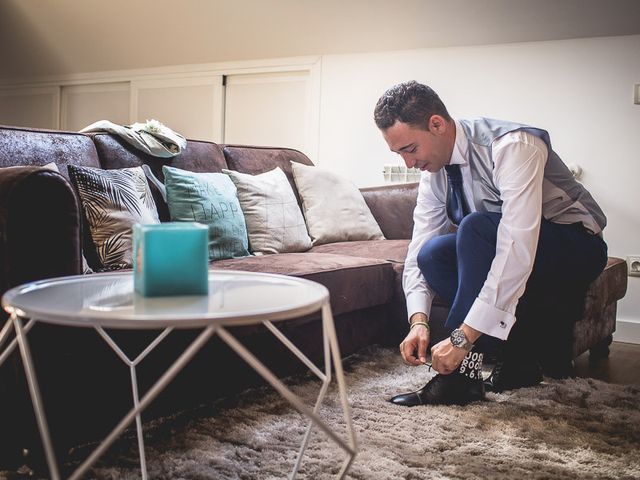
<point x="393" y="251"/>
<point x="274" y="220"/>
<point x="114" y="152"/>
<point x="211" y="199"/>
<point x="353" y="282"/>
<point x="333" y="207"/>
<point x="112" y="201"/>
<point x="392" y="206"/>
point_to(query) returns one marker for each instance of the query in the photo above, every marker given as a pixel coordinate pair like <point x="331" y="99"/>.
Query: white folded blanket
<point x="151" y="137"/>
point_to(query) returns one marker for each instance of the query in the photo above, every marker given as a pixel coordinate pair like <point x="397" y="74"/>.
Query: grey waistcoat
<point x="564" y="200"/>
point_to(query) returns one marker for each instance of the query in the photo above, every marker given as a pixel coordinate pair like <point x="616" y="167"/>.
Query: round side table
<point x="108" y="301"/>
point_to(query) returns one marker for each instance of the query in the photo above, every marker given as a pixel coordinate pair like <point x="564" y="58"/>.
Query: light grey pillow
<point x="333" y="206"/>
<point x="113" y="200"/>
<point x="274" y="221"/>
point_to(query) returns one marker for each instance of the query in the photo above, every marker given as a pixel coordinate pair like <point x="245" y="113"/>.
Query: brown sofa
<point x="41" y="235"/>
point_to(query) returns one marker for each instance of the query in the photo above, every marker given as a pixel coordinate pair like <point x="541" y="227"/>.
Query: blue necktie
<point x="457" y="206"/>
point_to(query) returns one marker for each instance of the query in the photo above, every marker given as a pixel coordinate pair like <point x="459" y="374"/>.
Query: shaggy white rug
<point x="577" y="428"/>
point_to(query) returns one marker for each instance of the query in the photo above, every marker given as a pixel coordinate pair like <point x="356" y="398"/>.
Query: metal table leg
<point x="4" y="334"/>
<point x="132" y="364"/>
<point x="151" y="395"/>
<point x="36" y="398"/>
<point x="332" y="352"/>
<point x="331" y="356"/>
<point x="16" y="323"/>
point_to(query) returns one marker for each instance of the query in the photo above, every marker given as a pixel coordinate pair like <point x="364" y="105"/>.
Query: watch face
<point x="457" y="337"/>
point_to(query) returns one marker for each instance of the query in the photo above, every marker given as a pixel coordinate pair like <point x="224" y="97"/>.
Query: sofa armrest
<point x="39" y="226"/>
<point x="392" y="206"/>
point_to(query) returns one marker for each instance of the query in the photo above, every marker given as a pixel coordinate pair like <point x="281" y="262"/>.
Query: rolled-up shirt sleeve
<point x="519" y="159"/>
<point x="429" y="220"/>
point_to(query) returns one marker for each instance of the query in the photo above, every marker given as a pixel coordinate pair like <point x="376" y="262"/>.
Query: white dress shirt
<point x="519" y="158"/>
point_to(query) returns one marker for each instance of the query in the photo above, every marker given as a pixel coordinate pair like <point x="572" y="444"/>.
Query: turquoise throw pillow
<point x="211" y="199"/>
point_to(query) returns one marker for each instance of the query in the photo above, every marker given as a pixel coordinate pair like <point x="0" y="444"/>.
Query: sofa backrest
<point x="255" y="160"/>
<point x="199" y="156"/>
<point x="36" y="147"/>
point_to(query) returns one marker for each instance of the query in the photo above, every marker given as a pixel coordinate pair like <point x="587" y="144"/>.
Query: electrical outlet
<point x="633" y="265"/>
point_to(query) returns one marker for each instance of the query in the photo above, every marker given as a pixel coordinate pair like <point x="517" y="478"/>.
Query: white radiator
<point x="400" y="174"/>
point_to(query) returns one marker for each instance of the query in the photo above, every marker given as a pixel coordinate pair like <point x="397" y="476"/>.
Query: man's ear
<point x="437" y="124"/>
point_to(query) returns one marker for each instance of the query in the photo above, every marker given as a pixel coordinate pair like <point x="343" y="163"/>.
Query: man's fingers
<point x="411" y="360"/>
<point x="440" y="368"/>
<point x="407" y="350"/>
<point x="422" y="349"/>
<point x="435" y="364"/>
<point x="404" y="351"/>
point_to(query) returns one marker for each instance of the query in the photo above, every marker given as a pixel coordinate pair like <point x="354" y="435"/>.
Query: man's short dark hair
<point x="409" y="102"/>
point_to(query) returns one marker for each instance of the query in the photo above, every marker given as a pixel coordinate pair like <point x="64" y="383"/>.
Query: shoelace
<point x="496" y="370"/>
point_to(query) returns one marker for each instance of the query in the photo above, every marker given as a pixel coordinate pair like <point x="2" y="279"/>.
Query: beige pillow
<point x="274" y="221"/>
<point x="334" y="207"/>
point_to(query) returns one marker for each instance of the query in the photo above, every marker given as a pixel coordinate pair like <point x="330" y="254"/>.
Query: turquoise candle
<point x="171" y="259"/>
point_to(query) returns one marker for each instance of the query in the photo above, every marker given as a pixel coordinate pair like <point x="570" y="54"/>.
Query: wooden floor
<point x="622" y="366"/>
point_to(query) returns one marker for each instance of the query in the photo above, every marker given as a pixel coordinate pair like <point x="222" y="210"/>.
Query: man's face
<point x="428" y="150"/>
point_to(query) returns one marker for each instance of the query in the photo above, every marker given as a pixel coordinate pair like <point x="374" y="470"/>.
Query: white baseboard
<point x="627" y="330"/>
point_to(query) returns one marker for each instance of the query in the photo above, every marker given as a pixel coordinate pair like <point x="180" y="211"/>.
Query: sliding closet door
<point x="191" y="106"/>
<point x="37" y="107"/>
<point x="81" y="105"/>
<point x="272" y="109"/>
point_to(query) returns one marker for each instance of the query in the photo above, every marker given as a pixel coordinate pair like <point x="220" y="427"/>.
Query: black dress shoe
<point x="452" y="389"/>
<point x="511" y="375"/>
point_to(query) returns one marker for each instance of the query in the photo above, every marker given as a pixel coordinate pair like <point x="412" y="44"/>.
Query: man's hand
<point x="414" y="347"/>
<point x="445" y="358"/>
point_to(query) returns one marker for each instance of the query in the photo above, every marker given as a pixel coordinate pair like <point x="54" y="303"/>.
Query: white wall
<point x="580" y="90"/>
<point x="61" y="37"/>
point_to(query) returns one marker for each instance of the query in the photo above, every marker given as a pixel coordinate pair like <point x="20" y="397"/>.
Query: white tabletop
<point x="108" y="300"/>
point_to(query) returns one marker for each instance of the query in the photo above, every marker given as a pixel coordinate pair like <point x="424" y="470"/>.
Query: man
<point x="528" y="243"/>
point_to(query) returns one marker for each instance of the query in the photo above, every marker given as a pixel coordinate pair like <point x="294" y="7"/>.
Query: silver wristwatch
<point x="460" y="340"/>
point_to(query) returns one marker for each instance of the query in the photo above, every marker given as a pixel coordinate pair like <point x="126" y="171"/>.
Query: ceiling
<point x="53" y="37"/>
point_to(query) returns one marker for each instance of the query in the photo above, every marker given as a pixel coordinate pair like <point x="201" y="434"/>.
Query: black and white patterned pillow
<point x="112" y="201"/>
